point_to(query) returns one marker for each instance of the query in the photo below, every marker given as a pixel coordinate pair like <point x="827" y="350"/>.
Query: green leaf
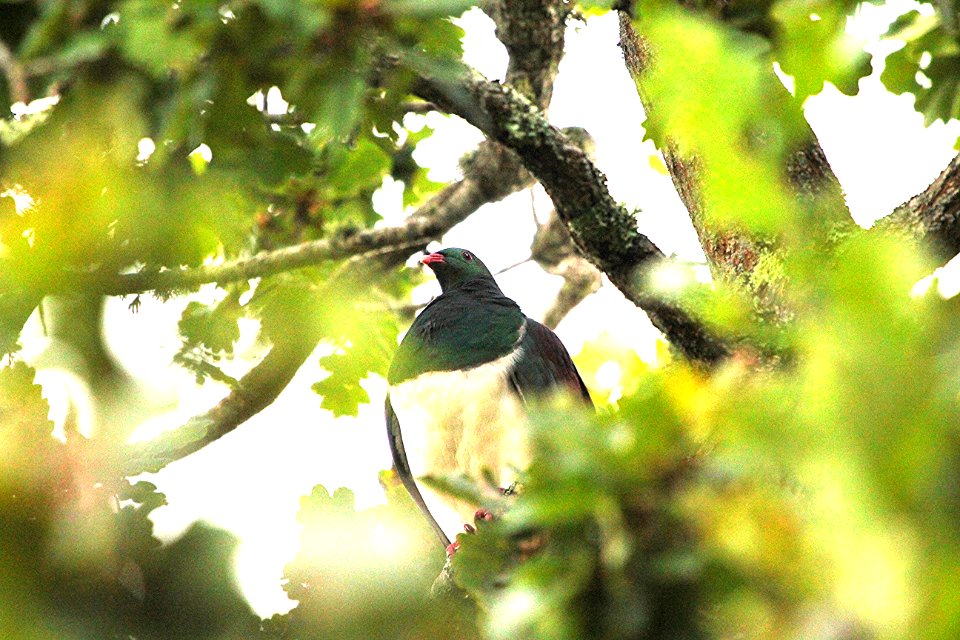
<point x="25" y="430"/>
<point x="280" y="157"/>
<point x="361" y="169"/>
<point x="942" y="100"/>
<point x="441" y="39"/>
<point x="201" y="363"/>
<point x="288" y="302"/>
<point x="193" y="587"/>
<point x="900" y="73"/>
<point x="304" y="18"/>
<point x="146" y="38"/>
<point x="342" y="88"/>
<point x="931" y="51"/>
<point x="812" y="45"/>
<point x="84" y="47"/>
<point x="364" y="347"/>
<point x="15" y="309"/>
<point x="214" y="327"/>
<point x="595" y="7"/>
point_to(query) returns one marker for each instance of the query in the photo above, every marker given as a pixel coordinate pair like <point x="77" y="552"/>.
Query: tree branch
<point x="602" y="229"/>
<point x="255" y="391"/>
<point x="492" y="175"/>
<point x="555" y="252"/>
<point x="532" y="32"/>
<point x="14" y="74"/>
<point x="734" y="254"/>
<point x="933" y="215"/>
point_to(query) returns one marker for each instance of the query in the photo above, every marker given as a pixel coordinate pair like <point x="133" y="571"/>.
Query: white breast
<point x="462" y="421"/>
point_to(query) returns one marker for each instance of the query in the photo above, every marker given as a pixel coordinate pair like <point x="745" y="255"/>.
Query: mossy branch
<point x="603" y="230"/>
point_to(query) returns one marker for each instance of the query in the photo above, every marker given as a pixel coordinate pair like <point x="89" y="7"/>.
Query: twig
<point x="512" y="266"/>
<point x="15" y="75"/>
<point x="418" y="106"/>
<point x="554" y="251"/>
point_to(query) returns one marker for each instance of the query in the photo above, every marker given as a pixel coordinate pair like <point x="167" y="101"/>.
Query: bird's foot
<point x="481" y="515"/>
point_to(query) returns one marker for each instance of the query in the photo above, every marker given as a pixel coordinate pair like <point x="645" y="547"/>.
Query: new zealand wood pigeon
<point x="462" y="377"/>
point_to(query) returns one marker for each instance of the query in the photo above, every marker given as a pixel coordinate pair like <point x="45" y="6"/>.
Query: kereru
<point x="462" y="376"/>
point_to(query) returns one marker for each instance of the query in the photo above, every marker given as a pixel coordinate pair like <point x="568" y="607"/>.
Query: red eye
<point x="467" y="255"/>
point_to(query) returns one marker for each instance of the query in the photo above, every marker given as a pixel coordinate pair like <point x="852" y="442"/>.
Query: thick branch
<point x="532" y="32"/>
<point x="602" y="229"/>
<point x="933" y="215"/>
<point x="734" y="254"/>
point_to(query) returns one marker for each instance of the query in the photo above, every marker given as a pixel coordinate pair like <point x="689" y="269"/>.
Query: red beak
<point x="433" y="258"/>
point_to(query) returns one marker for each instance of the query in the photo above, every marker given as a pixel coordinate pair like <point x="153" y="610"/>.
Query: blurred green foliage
<point x="77" y="555"/>
<point x="813" y="501"/>
<point x="367" y="574"/>
<point x="701" y="64"/>
<point x="817" y="499"/>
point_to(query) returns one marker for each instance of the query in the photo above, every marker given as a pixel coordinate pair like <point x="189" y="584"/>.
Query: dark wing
<point x="459" y="330"/>
<point x="544" y="366"/>
<point x="403" y="469"/>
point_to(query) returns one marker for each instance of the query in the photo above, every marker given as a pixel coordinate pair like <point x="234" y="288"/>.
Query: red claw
<point x="452" y="548"/>
<point x="482" y="515"/>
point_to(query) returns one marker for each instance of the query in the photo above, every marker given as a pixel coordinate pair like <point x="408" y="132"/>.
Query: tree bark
<point x="734" y="255"/>
<point x="933" y="216"/>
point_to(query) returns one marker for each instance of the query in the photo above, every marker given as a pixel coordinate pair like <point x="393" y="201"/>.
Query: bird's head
<point x="455" y="266"/>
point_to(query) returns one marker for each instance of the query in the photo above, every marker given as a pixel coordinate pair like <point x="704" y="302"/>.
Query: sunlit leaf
<point x="366" y="347"/>
<point x="813" y="47"/>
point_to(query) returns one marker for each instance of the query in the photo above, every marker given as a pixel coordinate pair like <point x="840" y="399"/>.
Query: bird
<point x="462" y="379"/>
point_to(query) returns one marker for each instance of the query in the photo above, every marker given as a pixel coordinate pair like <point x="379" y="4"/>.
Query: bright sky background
<point x="250" y="481"/>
